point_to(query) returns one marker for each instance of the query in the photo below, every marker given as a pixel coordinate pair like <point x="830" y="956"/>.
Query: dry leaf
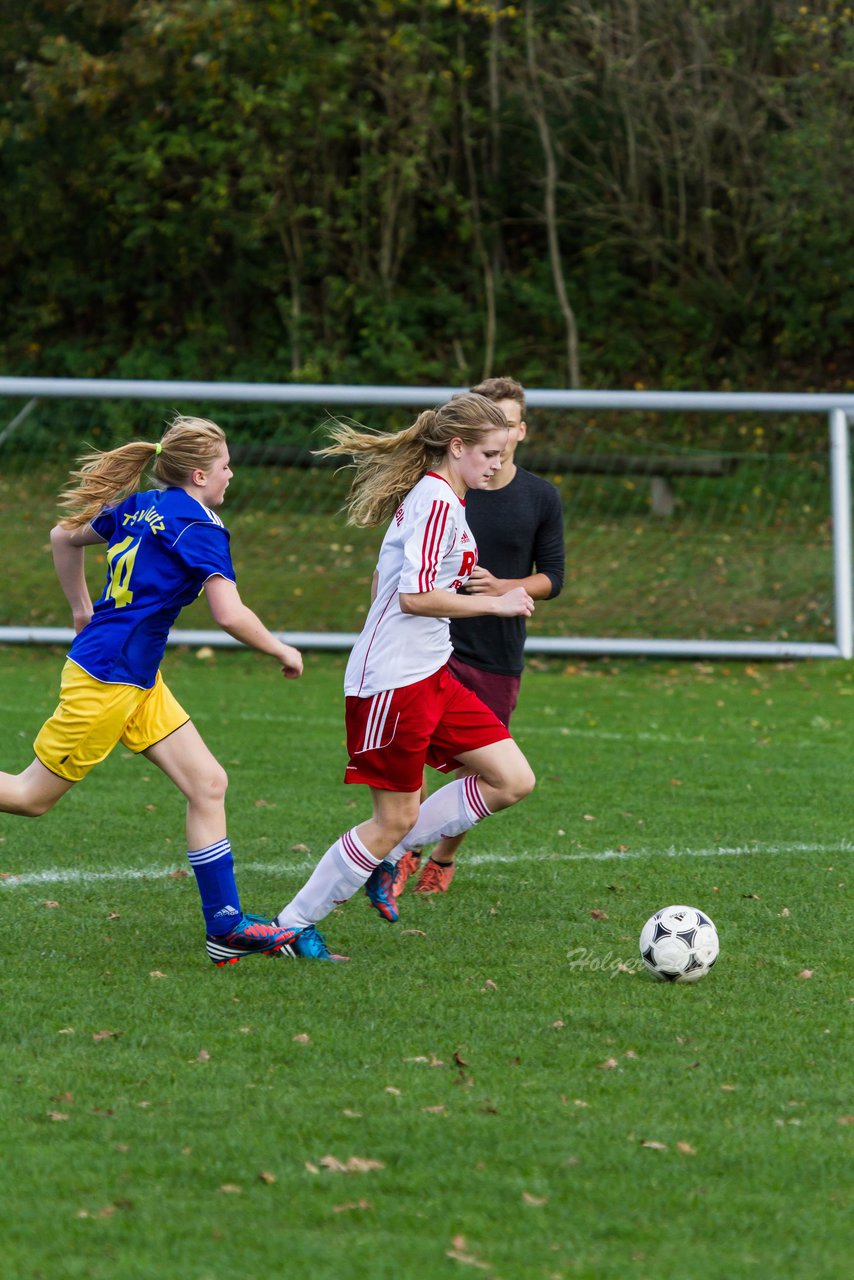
<point x="178" y="874"/>
<point x="231" y="1189"/>
<point x="608" y="1064"/>
<point x="390" y="1088"/>
<point x="65" y="1031"/>
<point x="352" y="1204"/>
<point x="597" y="914"/>
<point x="50" y="904"/>
<point x="654" y="1146"/>
<point x="527" y="1198"/>
<point x="114" y="915"/>
<point x="845" y="1120"/>
<point x="685" y="1148"/>
<point x="355" y="1164"/>
<point x="435" y="1111"/>
<point x="588" y="817"/>
<point x="204" y="1056"/>
<point x="302" y="1038"/>
<point x="105" y="1035"/>
<point x="155" y="973"/>
<point x="728" y="1088"/>
<point x="312" y="1168"/>
<point x="56" y="1115"/>
<point x="489" y="985"/>
<point x="351" y="1115"/>
<point x="268" y="1178"/>
<point x="805" y="973"/>
<point x="300" y="848"/>
<point x="417" y="932"/>
<point x="558" y="1025"/>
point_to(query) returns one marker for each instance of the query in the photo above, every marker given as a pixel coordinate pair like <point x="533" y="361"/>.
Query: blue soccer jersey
<point x="162" y="546"/>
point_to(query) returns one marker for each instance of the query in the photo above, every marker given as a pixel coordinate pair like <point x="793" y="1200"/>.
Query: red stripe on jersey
<point x="474" y="798"/>
<point x="431" y="545"/>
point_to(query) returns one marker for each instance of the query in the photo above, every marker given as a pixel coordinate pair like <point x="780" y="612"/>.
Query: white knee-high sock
<point x="342" y="870"/>
<point x="453" y="809"/>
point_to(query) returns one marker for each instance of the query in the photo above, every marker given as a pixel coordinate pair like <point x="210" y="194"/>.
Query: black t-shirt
<point x="519" y="531"/>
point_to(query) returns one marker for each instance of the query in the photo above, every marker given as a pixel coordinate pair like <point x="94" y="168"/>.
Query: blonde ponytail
<point x="104" y="477"/>
<point x="389" y="464"/>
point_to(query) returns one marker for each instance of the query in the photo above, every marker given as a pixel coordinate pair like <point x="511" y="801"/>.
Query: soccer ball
<point x="679" y="944"/>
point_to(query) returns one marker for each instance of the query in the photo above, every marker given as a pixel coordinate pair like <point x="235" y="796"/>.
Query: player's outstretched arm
<point x="229" y="612"/>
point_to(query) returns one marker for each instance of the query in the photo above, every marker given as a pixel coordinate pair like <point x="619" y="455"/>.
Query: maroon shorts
<point x="393" y="734"/>
<point x="499" y="692"/>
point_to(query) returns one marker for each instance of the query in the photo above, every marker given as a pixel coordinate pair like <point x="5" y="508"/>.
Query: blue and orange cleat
<point x="252" y="935"/>
<point x="408" y="866"/>
<point x="380" y="890"/>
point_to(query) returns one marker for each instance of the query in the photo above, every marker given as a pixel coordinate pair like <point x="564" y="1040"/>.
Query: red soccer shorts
<point x="393" y="734"/>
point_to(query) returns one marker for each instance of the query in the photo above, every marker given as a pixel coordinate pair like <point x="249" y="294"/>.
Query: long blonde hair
<point x="105" y="476"/>
<point x="388" y="464"/>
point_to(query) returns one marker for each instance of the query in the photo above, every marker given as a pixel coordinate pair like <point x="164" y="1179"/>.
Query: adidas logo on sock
<point x="226" y="911"/>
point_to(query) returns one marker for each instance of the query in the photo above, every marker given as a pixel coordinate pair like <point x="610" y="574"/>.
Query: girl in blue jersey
<point x="164" y="546"/>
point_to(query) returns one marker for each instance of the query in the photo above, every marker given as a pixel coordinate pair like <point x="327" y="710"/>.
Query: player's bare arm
<point x="68" y="549"/>
<point x="441" y="603"/>
<point x="237" y="619"/>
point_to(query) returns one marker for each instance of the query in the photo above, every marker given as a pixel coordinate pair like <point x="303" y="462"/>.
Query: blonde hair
<point x="105" y="476"/>
<point x="388" y="464"/>
<point x="502" y="389"/>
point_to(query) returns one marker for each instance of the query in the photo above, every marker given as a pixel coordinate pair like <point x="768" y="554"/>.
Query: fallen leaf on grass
<point x="349" y="1205"/>
<point x="65" y="1031"/>
<point x="608" y="1065"/>
<point x="435" y="1111"/>
<point x="302" y="1038"/>
<point x="300" y="848"/>
<point x="686" y="1149"/>
<point x="155" y="973"/>
<point x="597" y="914"/>
<point x="654" y="1146"/>
<point x="178" y="874"/>
<point x="57" y="1115"/>
<point x="50" y="904"/>
<point x="355" y="1164"/>
<point x="351" y="1115"/>
<point x="417" y="932"/>
<point x="805" y="973"/>
<point x="231" y="1189"/>
<point x="267" y="1177"/>
<point x="203" y="1056"/>
<point x="459" y="1253"/>
<point x="845" y="1120"/>
<point x="489" y="985"/>
<point x="393" y="1090"/>
<point x="535" y="1201"/>
<point x="106" y="1035"/>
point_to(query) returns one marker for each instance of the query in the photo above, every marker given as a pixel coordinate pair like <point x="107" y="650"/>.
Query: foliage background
<point x="598" y="193"/>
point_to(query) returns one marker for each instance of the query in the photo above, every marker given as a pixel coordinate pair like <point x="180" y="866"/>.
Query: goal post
<point x="685" y="512"/>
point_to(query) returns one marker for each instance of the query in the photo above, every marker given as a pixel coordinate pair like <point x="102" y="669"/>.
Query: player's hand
<point x="515" y="603"/>
<point x="80" y="618"/>
<point x="291" y="661"/>
<point x="482" y="583"/>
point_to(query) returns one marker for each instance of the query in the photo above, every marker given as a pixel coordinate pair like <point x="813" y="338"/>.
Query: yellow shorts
<point x="93" y="716"/>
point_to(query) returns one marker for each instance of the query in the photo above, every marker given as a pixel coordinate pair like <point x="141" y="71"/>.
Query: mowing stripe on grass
<point x="76" y="875"/>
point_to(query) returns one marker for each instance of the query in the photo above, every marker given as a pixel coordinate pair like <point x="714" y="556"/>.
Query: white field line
<point x="74" y="876"/>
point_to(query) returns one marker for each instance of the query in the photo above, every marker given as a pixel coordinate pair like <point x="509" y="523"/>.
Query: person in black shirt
<point x="517" y="522"/>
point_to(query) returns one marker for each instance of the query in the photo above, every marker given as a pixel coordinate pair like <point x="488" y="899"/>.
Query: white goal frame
<point x="838" y="408"/>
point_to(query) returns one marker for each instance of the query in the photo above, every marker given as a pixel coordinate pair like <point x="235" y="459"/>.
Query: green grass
<point x="165" y="1118"/>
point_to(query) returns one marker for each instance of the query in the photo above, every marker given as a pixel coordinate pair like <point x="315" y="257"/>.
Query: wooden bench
<point x="660" y="470"/>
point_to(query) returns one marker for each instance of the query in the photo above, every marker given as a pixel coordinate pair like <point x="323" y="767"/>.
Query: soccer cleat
<point x="436" y="877"/>
<point x="380" y="890"/>
<point x="252" y="935"/>
<point x="408" y="865"/>
<point x="310" y="944"/>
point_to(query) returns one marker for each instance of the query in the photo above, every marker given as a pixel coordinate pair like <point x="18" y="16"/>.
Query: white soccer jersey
<point x="428" y="545"/>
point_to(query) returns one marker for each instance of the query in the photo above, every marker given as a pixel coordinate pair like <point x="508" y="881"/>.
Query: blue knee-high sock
<point x="214" y="871"/>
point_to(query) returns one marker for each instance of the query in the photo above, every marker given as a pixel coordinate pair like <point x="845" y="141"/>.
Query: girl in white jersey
<point x="403" y="708"/>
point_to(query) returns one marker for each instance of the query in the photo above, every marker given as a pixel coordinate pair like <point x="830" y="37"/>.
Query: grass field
<point x="490" y="1087"/>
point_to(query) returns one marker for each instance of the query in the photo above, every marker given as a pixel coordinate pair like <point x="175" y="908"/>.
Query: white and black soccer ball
<point x="679" y="944"/>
